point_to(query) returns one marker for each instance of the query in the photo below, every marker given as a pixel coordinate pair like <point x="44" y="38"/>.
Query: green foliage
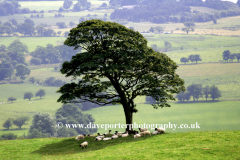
<point x="66" y="132"/>
<point x="16" y="51"/>
<point x="71" y="114"/>
<point x="187" y="30"/>
<point x="206" y="92"/>
<point x="167" y="45"/>
<point x="6" y="69"/>
<point x="118" y="54"/>
<point x="36" y="134"/>
<point x="22" y="71"/>
<point x="184" y="60"/>
<point x="195" y="90"/>
<point x="31" y="79"/>
<point x="157" y="29"/>
<point x="189" y="24"/>
<point x="35" y="61"/>
<point x="51" y="81"/>
<point x="214" y="92"/>
<point x="43" y="123"/>
<point x="67" y="4"/>
<point x="11" y="99"/>
<point x="8" y="123"/>
<point x="8" y="136"/>
<point x="27" y="95"/>
<point x="20" y="121"/>
<point x="195" y="58"/>
<point x="61" y="24"/>
<point x="81" y="5"/>
<point x="40" y="93"/>
<point x="226" y="55"/>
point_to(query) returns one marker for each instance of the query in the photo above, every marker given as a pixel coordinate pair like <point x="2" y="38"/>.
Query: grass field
<point x="191" y="145"/>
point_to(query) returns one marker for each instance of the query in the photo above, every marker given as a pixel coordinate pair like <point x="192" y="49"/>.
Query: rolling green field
<point x="190" y="145"/>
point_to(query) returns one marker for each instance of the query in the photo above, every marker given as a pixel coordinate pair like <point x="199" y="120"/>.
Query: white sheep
<point x="155" y="132"/>
<point x="91" y="135"/>
<point x="115" y="136"/>
<point x="109" y="133"/>
<point x="107" y="138"/>
<point x="97" y="139"/>
<point x="145" y="132"/>
<point x="136" y="136"/>
<point x="84" y="144"/>
<point x="119" y="133"/>
<point x="143" y="129"/>
<point x="80" y="137"/>
<point x="160" y="130"/>
<point x="101" y="136"/>
<point x="125" y="134"/>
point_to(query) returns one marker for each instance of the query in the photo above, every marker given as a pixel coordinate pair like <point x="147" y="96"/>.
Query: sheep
<point x="115" y="136"/>
<point x="119" y="133"/>
<point x="136" y="136"/>
<point x="91" y="135"/>
<point x="143" y="129"/>
<point x="125" y="134"/>
<point x="84" y="144"/>
<point x="160" y="130"/>
<point x="107" y="138"/>
<point x="80" y="137"/>
<point x="97" y="139"/>
<point x="101" y="136"/>
<point x="109" y="133"/>
<point x="155" y="132"/>
<point x="145" y="132"/>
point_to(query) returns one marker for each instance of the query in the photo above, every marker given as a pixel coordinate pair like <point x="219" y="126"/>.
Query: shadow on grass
<point x="71" y="146"/>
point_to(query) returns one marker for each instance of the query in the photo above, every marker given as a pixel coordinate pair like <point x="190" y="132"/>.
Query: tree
<point x="61" y="24"/>
<point x="189" y="24"/>
<point x="35" y="61"/>
<point x="43" y="123"/>
<point x="195" y="90"/>
<point x="238" y="3"/>
<point x="71" y="114"/>
<point x="11" y="99"/>
<point x="194" y="57"/>
<point x="238" y="56"/>
<point x="226" y="54"/>
<point x="8" y="136"/>
<point x="214" y="92"/>
<point x="121" y="55"/>
<point x="8" y="123"/>
<point x="16" y="51"/>
<point x="28" y="95"/>
<point x="26" y="29"/>
<point x="72" y="23"/>
<point x="6" y="69"/>
<point x="184" y="60"/>
<point x="20" y="121"/>
<point x="67" y="4"/>
<point x="187" y="30"/>
<point x="40" y="93"/>
<point x="167" y="45"/>
<point x="206" y="91"/>
<point x="31" y="79"/>
<point x="22" y="71"/>
<point x="104" y="5"/>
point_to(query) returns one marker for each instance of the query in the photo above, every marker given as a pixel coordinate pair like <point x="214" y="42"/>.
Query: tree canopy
<point x="121" y="56"/>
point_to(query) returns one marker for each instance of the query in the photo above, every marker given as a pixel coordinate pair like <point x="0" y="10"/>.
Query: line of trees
<point x="197" y="91"/>
<point x="40" y="93"/>
<point x="228" y="56"/>
<point x="164" y="11"/>
<point x="193" y="58"/>
<point x="19" y="122"/>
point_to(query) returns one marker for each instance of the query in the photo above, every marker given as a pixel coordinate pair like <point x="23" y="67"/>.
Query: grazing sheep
<point x="101" y="136"/>
<point x="145" y="132"/>
<point x="160" y="130"/>
<point x="114" y="136"/>
<point x="107" y="138"/>
<point x="143" y="129"/>
<point x="80" y="137"/>
<point x="119" y="133"/>
<point x="155" y="132"/>
<point x="136" y="136"/>
<point x="109" y="133"/>
<point x="84" y="144"/>
<point x="97" y="139"/>
<point x="125" y="134"/>
<point x="91" y="135"/>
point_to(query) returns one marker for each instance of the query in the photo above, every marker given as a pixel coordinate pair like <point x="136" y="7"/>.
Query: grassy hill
<point x="189" y="145"/>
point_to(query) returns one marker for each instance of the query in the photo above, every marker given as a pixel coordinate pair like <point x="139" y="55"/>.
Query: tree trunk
<point x="129" y="117"/>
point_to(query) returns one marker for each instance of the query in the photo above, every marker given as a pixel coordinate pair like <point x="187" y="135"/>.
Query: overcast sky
<point x="235" y="1"/>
